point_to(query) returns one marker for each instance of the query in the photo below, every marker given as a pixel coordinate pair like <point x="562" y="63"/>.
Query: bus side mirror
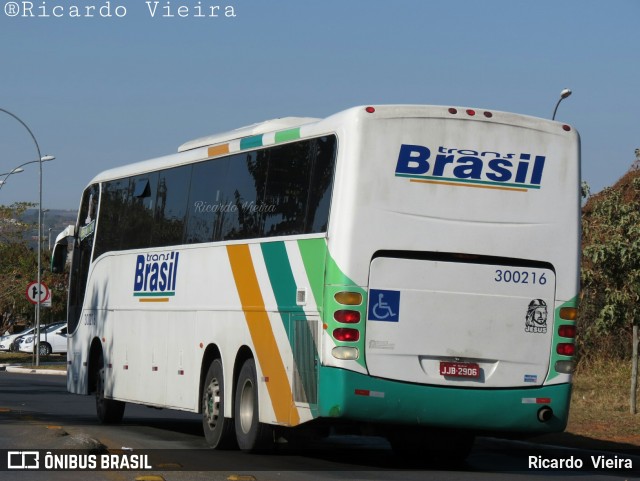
<point x="59" y="254"/>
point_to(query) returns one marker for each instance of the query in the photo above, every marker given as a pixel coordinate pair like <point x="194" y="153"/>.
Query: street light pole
<point x="44" y="217"/>
<point x="563" y="95"/>
<point x="40" y="160"/>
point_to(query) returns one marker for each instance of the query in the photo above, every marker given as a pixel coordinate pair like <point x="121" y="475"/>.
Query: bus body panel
<point x="427" y="316"/>
<point x="154" y="340"/>
<point x="454" y="214"/>
<point x="430" y="203"/>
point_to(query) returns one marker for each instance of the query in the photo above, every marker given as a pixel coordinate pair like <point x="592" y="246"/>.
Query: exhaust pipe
<point x="545" y="414"/>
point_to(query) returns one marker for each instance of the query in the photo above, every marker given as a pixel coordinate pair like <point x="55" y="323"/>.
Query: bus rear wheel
<point x="251" y="434"/>
<point x="109" y="411"/>
<point x="218" y="430"/>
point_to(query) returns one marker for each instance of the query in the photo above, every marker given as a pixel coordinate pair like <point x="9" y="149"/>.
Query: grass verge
<point x="600" y="405"/>
<point x="26" y="360"/>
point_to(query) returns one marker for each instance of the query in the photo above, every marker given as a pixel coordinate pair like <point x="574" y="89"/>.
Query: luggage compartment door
<point x="458" y="323"/>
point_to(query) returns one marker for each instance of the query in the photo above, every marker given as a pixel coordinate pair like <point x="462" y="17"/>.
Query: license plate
<point x="459" y="369"/>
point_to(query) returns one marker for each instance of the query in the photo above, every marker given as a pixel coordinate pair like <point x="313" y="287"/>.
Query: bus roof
<point x="247" y="131"/>
<point x="190" y="150"/>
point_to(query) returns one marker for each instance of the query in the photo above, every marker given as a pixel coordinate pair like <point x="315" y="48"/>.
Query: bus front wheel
<point x="109" y="411"/>
<point x="218" y="430"/>
<point x="251" y="434"/>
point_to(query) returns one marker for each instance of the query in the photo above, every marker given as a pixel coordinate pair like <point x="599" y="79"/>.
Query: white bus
<point x="409" y="269"/>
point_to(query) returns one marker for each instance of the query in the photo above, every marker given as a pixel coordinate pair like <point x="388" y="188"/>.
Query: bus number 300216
<point x="520" y="277"/>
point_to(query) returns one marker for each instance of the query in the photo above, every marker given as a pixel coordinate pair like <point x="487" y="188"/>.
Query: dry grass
<point x="600" y="403"/>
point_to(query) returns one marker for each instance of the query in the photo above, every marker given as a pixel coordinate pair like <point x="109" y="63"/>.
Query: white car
<point x="6" y="342"/>
<point x="53" y="339"/>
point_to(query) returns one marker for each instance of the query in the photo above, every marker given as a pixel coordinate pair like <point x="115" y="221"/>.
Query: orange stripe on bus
<point x="262" y="335"/>
<point x="218" y="150"/>
<point x="459" y="184"/>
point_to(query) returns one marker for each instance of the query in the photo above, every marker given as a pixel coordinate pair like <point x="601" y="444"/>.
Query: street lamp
<point x="40" y="160"/>
<point x="563" y="95"/>
<point x="19" y="169"/>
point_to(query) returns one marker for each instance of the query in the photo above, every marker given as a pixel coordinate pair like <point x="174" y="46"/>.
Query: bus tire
<point x="218" y="430"/>
<point x="251" y="434"/>
<point x="109" y="411"/>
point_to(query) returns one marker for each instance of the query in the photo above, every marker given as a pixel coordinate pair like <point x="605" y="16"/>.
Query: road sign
<point x="35" y="291"/>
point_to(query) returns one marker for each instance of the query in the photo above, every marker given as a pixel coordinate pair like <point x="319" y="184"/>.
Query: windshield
<point x="53" y="327"/>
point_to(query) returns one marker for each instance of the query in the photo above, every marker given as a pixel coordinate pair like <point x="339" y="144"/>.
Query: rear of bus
<point x="453" y="270"/>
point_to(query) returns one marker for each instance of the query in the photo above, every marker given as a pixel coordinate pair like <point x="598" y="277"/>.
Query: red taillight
<point x="488" y="115"/>
<point x="346" y="334"/>
<point x="566" y="127"/>
<point x="347" y="316"/>
<point x="565" y="349"/>
<point x="370" y="110"/>
<point x="453" y="111"/>
<point x="471" y="112"/>
<point x="567" y="331"/>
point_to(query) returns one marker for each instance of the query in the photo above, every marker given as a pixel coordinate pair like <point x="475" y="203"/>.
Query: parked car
<point x="19" y="340"/>
<point x="53" y="339"/>
<point x="7" y="342"/>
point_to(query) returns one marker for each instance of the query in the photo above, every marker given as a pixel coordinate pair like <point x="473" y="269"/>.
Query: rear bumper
<point x="352" y="396"/>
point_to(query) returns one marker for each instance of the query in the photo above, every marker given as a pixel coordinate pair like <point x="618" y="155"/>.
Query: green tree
<point x="18" y="267"/>
<point x="610" y="308"/>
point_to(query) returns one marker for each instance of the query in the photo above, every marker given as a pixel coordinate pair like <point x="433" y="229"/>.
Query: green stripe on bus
<point x="286" y="135"/>
<point x="314" y="254"/>
<point x="251" y="142"/>
<point x="284" y="286"/>
<point x="558" y="321"/>
<point x="337" y="281"/>
<point x="281" y="276"/>
<point x="405" y="402"/>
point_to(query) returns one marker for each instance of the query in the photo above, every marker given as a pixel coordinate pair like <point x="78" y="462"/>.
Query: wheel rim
<point x="43" y="350"/>
<point x="246" y="406"/>
<point x="212" y="403"/>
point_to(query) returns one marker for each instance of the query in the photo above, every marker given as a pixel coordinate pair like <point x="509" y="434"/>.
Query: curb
<point x="29" y="370"/>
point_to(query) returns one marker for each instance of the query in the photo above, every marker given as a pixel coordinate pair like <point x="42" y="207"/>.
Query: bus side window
<point x="207" y="211"/>
<point x="171" y="206"/>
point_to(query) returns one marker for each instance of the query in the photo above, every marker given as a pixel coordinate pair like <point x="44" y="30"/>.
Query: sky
<point x="100" y="92"/>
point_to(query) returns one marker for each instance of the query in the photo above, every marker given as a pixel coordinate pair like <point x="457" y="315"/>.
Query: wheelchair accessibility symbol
<point x="384" y="305"/>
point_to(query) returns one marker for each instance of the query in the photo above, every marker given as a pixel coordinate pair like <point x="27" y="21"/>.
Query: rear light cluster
<point x="348" y="319"/>
<point x="566" y="334"/>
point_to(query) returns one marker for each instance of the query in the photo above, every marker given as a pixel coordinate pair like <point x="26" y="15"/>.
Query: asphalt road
<point x="36" y="413"/>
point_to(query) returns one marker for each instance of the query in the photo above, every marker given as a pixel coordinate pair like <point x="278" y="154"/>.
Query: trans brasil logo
<point x="155" y="276"/>
<point x="470" y="168"/>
